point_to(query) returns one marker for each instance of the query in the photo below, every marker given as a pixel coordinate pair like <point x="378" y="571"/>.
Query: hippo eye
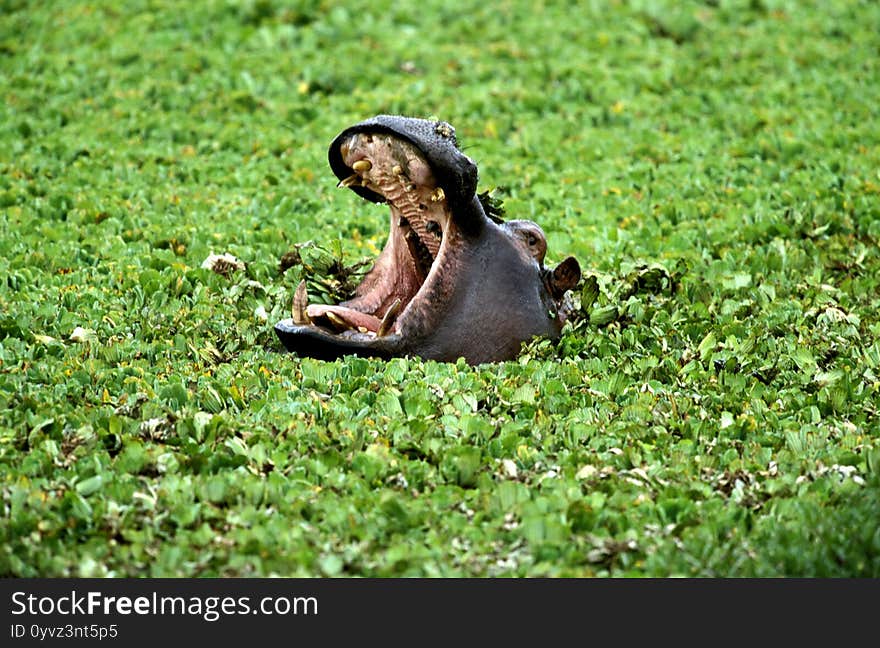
<point x="531" y="240"/>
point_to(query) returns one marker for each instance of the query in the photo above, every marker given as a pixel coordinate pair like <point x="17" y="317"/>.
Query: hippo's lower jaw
<point x="450" y="282"/>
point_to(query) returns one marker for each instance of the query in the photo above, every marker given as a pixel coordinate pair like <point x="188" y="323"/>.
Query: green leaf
<point x="388" y="403"/>
<point x="589" y="293"/>
<point x="462" y="465"/>
<point x="804" y="359"/>
<point x="707" y="345"/>
<point x="737" y="281"/>
<point x="603" y="315"/>
<point x="90" y="485"/>
<point x="331" y="565"/>
<point x="524" y="394"/>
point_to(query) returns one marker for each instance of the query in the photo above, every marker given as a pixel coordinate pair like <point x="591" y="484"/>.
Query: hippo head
<point x="451" y="281"/>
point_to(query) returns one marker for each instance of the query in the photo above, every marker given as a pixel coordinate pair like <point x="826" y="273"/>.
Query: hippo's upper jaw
<point x="450" y="282"/>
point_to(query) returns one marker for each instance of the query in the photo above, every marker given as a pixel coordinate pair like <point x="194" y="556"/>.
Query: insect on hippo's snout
<point x="451" y="280"/>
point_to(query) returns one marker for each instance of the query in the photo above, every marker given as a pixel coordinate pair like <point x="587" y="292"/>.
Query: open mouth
<point x="453" y="280"/>
<point x="391" y="169"/>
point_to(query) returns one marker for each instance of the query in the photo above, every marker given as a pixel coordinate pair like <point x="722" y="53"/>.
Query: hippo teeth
<point x="362" y="166"/>
<point x="353" y="180"/>
<point x="342" y="319"/>
<point x="301" y="304"/>
<point x="388" y="320"/>
<point x="338" y="322"/>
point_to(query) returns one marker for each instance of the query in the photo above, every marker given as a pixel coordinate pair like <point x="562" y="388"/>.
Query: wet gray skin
<point x="451" y="282"/>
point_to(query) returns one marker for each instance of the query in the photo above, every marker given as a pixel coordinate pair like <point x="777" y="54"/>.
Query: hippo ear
<point x="565" y="277"/>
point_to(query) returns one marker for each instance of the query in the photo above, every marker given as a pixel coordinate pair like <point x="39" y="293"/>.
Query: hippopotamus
<point x="452" y="281"/>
